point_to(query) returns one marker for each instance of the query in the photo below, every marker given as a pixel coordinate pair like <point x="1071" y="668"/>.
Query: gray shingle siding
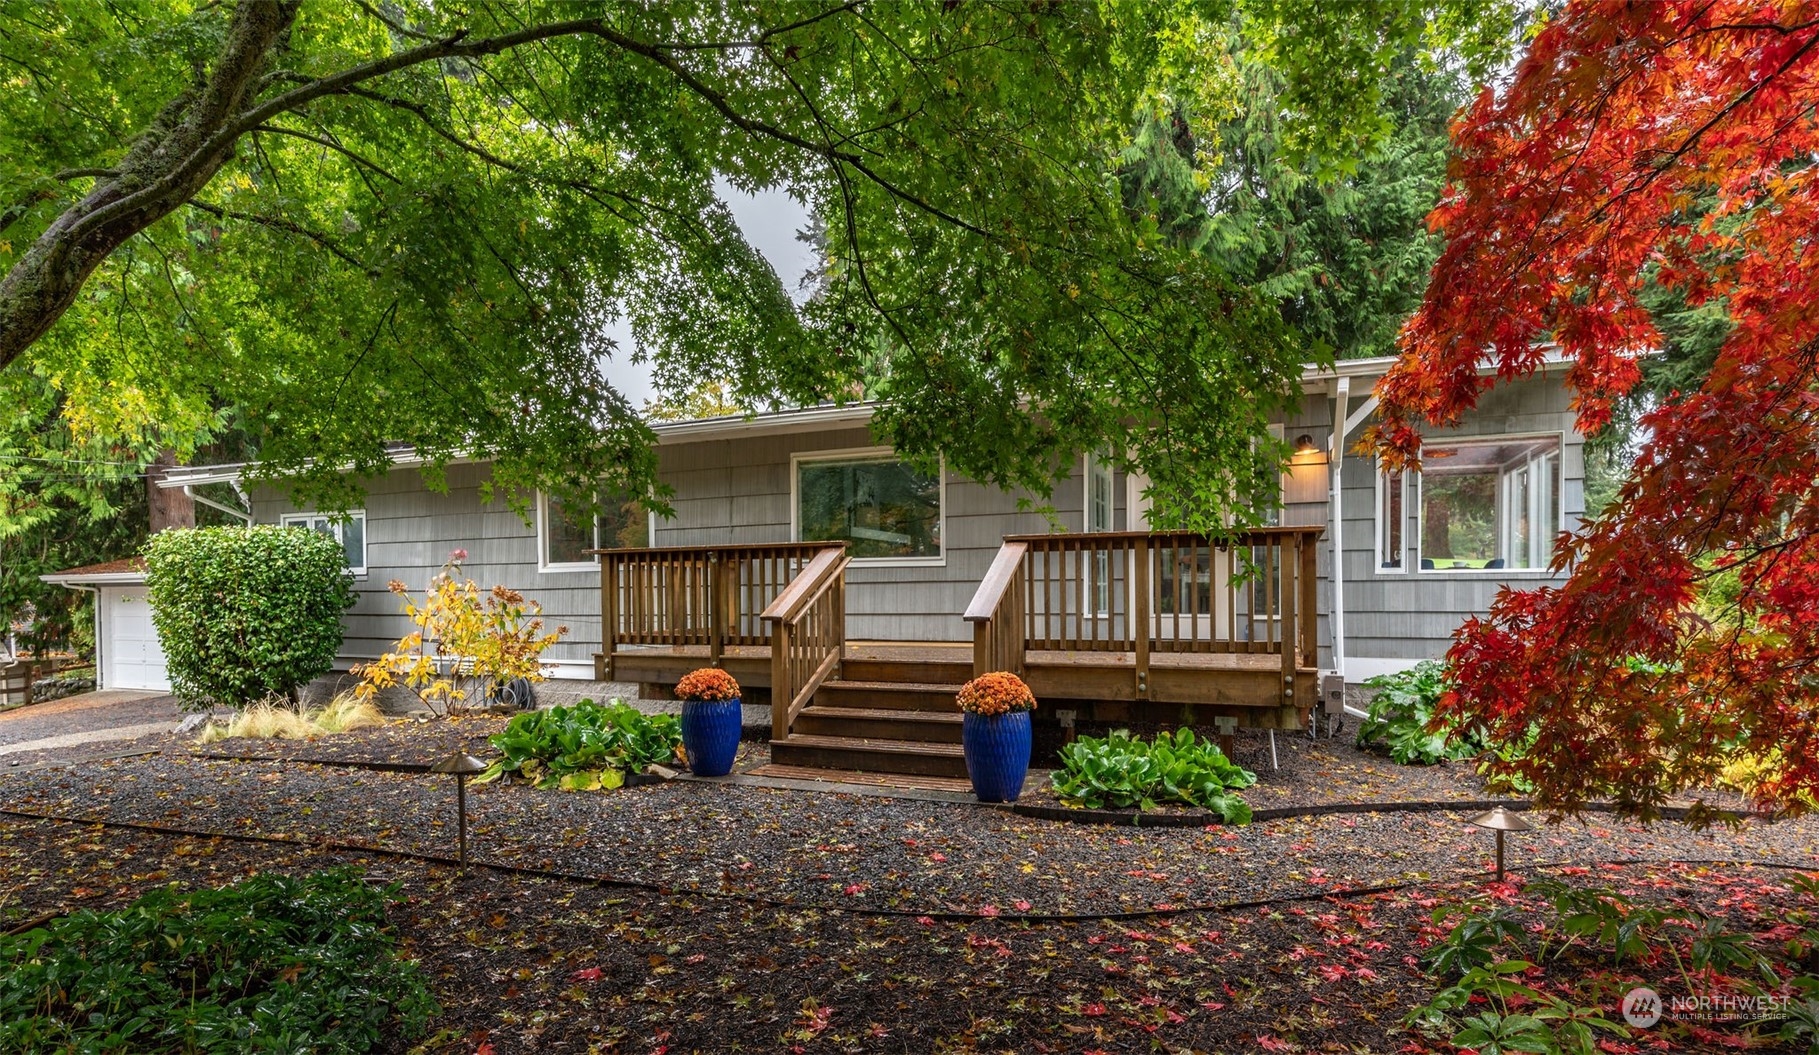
<point x="730" y="491"/>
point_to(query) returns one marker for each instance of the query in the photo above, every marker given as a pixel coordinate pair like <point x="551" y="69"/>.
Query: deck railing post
<point x="1288" y="593"/>
<point x="1140" y="615"/>
<point x="782" y="691"/>
<point x="1310" y="603"/>
<point x="609" y="615"/>
<point x="717" y="606"/>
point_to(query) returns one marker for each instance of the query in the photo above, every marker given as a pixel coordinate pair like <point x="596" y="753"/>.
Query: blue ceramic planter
<point x="710" y="734"/>
<point x="997" y="754"/>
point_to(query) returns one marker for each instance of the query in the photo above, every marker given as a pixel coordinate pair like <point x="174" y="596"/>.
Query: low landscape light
<point x="462" y="765"/>
<point x="1500" y="820"/>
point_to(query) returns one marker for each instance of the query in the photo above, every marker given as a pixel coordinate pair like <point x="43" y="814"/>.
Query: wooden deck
<point x="1125" y="626"/>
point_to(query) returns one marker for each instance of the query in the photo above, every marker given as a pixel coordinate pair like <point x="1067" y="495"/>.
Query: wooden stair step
<point x="891" y="695"/>
<point x="869" y="755"/>
<point x="879" y="723"/>
<point x="907" y="671"/>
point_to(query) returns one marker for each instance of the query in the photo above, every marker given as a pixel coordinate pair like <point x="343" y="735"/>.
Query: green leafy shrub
<point x="585" y="747"/>
<point x="1120" y="771"/>
<point x="245" y="614"/>
<point x="273" y="964"/>
<point x="1397" y="722"/>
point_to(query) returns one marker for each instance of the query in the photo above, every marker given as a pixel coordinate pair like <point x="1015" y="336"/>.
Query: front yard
<point x="699" y="916"/>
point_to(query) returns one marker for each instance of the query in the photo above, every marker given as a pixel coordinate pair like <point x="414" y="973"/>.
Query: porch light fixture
<point x="462" y="766"/>
<point x="1306" y="452"/>
<point x="1501" y="820"/>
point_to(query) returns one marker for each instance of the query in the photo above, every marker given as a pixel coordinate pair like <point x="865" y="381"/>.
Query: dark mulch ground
<point x="533" y="965"/>
<point x="836" y="850"/>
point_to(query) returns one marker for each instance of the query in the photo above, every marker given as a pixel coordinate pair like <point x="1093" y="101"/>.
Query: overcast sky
<point x="770" y="221"/>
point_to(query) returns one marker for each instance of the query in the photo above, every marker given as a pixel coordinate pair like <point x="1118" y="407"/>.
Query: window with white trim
<point x="1098" y="517"/>
<point x="349" y="530"/>
<point x="882" y="507"/>
<point x="1392" y="518"/>
<point x="564" y="536"/>
<point x="1489" y="504"/>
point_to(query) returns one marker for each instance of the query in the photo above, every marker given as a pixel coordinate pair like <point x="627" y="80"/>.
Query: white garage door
<point x="131" y="653"/>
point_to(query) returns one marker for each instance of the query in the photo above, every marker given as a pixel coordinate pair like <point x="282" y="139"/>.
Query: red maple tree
<point x="1672" y="143"/>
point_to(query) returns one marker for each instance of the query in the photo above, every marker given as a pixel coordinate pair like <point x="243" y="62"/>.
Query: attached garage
<point x="128" y="655"/>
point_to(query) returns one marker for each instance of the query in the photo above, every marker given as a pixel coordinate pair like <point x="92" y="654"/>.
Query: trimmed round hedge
<point x="246" y="613"/>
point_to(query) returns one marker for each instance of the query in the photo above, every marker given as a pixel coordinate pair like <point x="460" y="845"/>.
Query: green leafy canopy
<point x="347" y="225"/>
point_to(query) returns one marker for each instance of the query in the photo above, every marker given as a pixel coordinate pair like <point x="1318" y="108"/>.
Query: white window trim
<point x="543" y="564"/>
<point x="1402" y="567"/>
<point x="856" y="454"/>
<point x="1414" y="481"/>
<point x="303" y="518"/>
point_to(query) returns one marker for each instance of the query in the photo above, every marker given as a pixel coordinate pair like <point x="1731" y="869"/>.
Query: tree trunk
<point x="169" y="507"/>
<point x="163" y="169"/>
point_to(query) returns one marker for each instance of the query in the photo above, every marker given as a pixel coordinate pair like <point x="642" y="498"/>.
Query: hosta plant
<point x="586" y="747"/>
<point x="1401" y="715"/>
<point x="1175" y="767"/>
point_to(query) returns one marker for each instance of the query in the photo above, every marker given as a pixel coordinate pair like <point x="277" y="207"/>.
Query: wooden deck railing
<point x="1147" y="592"/>
<point x="712" y="596"/>
<point x="808" y="636"/>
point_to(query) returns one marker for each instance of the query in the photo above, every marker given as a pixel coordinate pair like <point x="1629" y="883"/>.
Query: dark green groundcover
<point x="272" y="964"/>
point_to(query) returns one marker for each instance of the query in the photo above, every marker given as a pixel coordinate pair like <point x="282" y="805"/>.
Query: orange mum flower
<point x="708" y="683"/>
<point x="999" y="692"/>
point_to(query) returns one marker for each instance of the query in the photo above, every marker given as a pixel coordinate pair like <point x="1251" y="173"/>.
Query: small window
<point x="1490" y="504"/>
<point x="880" y="506"/>
<point x="350" y="531"/>
<point x="1098" y="519"/>
<point x="1392" y="515"/>
<point x="565" y="535"/>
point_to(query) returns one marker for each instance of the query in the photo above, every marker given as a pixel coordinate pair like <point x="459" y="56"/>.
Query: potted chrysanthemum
<point x="710" y="720"/>
<point x="995" y="733"/>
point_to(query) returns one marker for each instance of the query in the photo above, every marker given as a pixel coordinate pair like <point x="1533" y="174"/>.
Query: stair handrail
<point x="808" y="635"/>
<point x="996" y="613"/>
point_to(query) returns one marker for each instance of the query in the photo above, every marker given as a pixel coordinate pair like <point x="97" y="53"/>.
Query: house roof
<point x="128" y="571"/>
<point x="1315" y="379"/>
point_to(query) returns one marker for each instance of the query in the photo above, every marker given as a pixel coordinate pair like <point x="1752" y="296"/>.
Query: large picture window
<point x="881" y="507"/>
<point x="1489" y="505"/>
<point x="350" y="531"/>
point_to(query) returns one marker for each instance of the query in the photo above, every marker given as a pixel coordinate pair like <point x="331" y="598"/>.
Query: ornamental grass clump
<point x="709" y="685"/>
<point x="990" y="695"/>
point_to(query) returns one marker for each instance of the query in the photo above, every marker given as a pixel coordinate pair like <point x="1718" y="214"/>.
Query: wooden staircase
<point x="882" y="716"/>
